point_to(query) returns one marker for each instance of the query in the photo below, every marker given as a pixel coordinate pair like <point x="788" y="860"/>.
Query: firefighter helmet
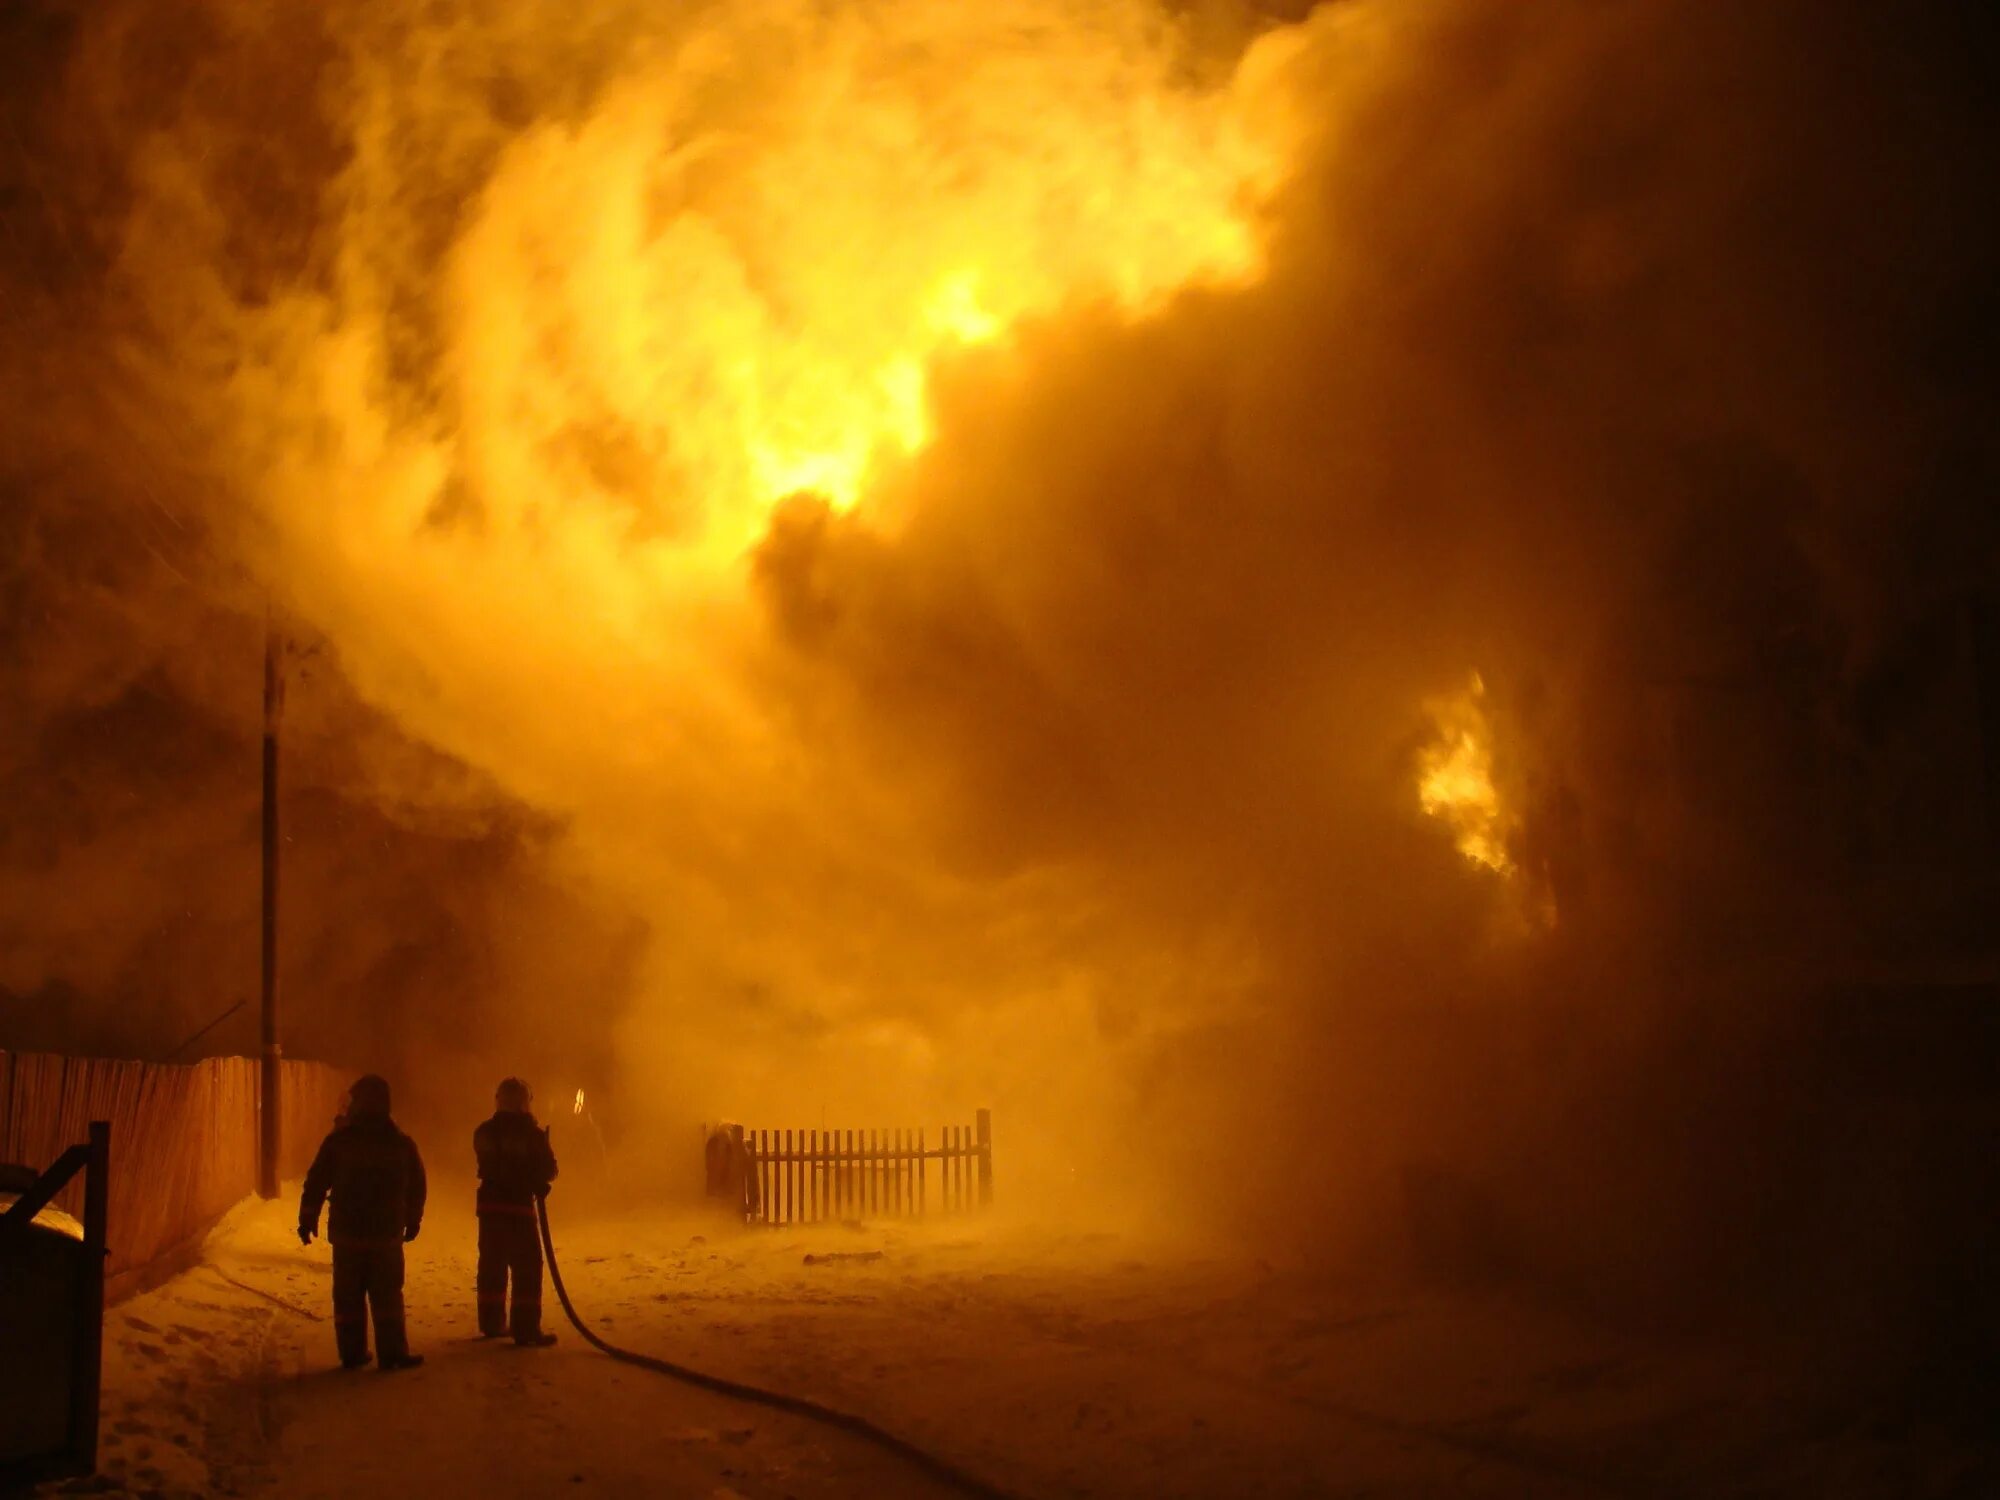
<point x="513" y="1093"/>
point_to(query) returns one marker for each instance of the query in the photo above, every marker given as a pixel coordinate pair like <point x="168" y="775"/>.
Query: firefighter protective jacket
<point x="376" y="1179"/>
<point x="516" y="1163"/>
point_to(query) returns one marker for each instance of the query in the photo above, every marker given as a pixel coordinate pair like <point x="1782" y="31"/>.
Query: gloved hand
<point x="411" y="1233"/>
<point x="306" y="1232"/>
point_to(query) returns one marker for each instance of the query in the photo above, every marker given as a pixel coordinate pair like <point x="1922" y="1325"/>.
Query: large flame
<point x="732" y="279"/>
<point x="568" y="356"/>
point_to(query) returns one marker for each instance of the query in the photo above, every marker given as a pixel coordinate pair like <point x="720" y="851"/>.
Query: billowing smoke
<point x="1317" y="611"/>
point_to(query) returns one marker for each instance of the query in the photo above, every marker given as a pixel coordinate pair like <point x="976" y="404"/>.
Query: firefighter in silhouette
<point x="376" y="1179"/>
<point x="516" y="1166"/>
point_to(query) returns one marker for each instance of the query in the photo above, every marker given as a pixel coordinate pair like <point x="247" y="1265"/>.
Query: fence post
<point x="985" y="1128"/>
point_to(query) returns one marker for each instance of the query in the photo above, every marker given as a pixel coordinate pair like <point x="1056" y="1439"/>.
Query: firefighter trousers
<point x="510" y="1248"/>
<point x="368" y="1277"/>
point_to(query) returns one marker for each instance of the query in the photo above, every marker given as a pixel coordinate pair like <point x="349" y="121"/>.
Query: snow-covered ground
<point x="1049" y="1364"/>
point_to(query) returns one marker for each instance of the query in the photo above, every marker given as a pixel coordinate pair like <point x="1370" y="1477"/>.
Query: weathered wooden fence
<point x="810" y="1176"/>
<point x="183" y="1139"/>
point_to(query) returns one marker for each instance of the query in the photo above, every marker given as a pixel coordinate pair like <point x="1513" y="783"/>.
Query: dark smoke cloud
<point x="1626" y="354"/>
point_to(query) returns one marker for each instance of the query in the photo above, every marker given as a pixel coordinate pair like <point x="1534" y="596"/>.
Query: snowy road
<point x="223" y="1382"/>
<point x="1050" y="1366"/>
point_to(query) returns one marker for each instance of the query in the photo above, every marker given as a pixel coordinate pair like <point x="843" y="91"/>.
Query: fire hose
<point x="855" y="1426"/>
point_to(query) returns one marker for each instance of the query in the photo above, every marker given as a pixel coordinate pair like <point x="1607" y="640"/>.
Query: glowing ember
<point x="577" y="1109"/>
<point x="1455" y="783"/>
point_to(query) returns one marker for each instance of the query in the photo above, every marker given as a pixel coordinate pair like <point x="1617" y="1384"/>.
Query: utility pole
<point x="271" y="1095"/>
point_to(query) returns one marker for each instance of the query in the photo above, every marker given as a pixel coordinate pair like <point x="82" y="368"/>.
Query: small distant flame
<point x="577" y="1108"/>
<point x="1455" y="783"/>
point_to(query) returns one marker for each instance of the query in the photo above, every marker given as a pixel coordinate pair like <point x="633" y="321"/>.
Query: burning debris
<point x="1456" y="783"/>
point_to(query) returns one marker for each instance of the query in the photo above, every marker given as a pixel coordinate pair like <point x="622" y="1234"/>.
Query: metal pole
<point x="270" y="1097"/>
<point x="86" y="1369"/>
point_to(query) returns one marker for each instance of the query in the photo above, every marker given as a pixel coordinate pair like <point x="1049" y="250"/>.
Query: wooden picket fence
<point x="816" y="1176"/>
<point x="183" y="1138"/>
